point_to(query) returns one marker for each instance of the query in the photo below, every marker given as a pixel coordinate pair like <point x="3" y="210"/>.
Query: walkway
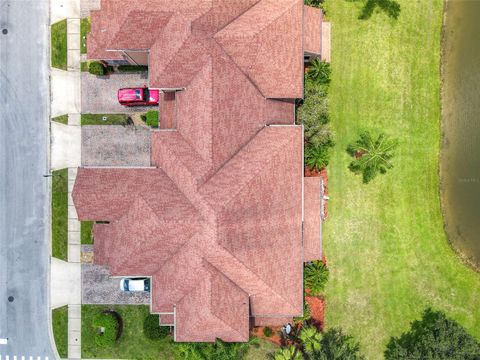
<point x="66" y="152"/>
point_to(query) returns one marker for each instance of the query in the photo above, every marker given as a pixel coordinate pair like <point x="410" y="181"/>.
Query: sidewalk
<point x="66" y="152"/>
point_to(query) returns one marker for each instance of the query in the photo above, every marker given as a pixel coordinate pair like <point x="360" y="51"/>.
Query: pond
<point x="460" y="157"/>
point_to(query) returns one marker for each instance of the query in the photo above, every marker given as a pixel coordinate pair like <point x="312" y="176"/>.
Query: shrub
<point x="106" y="327"/>
<point x="96" y="68"/>
<point x="315" y="277"/>
<point x="151" y="118"/>
<point x="267" y="331"/>
<point x="218" y="350"/>
<point x="434" y="337"/>
<point x="132" y="68"/>
<point x="336" y="345"/>
<point x="152" y="328"/>
<point x="319" y="72"/>
<point x="315" y="3"/>
<point x="317" y="156"/>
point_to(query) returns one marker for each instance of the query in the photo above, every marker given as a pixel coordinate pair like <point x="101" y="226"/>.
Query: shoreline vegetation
<point x="388" y="252"/>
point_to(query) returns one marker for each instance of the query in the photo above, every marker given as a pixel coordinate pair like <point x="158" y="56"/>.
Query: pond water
<point x="460" y="159"/>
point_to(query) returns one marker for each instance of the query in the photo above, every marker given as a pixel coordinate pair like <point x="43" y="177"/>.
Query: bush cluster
<point x="96" y="68"/>
<point x="152" y="328"/>
<point x="313" y="114"/>
<point x="106" y="328"/>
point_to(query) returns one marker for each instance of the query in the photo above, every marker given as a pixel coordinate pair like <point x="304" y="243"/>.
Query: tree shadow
<point x="390" y="7"/>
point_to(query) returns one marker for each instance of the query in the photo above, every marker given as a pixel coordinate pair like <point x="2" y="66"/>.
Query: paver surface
<point x="115" y="145"/>
<point x="99" y="288"/>
<point x="99" y="93"/>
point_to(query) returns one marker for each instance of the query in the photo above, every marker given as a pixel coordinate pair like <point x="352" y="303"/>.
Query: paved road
<point x="24" y="211"/>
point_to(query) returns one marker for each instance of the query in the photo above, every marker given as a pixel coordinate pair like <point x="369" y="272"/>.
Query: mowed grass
<point x="58" y="43"/>
<point x="60" y="330"/>
<point x="110" y="119"/>
<point x="60" y="214"/>
<point x="133" y="344"/>
<point x="387" y="250"/>
<point x="86" y="232"/>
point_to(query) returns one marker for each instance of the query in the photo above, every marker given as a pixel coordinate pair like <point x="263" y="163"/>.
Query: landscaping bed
<point x="60" y="214"/>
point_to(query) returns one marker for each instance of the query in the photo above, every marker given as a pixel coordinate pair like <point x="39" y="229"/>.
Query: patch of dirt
<point x="86" y="257"/>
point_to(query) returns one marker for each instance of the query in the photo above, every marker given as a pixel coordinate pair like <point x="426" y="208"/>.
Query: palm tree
<point x="335" y="345"/>
<point x="315" y="276"/>
<point x="310" y="338"/>
<point x="287" y="353"/>
<point x="372" y="156"/>
<point x="316" y="156"/>
<point x="319" y="71"/>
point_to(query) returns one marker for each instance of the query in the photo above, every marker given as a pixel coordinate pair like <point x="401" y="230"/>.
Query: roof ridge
<point x="250" y="271"/>
<point x="254" y="173"/>
<point x="264" y="27"/>
<point x="239" y="15"/>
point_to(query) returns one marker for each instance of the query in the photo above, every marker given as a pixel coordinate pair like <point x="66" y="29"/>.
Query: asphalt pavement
<point x="24" y="192"/>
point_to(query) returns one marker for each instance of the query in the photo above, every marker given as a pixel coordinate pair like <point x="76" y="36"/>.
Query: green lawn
<point x="97" y="119"/>
<point x="387" y="250"/>
<point x="60" y="330"/>
<point x="86" y="232"/>
<point x="84" y="30"/>
<point x="63" y="119"/>
<point x="133" y="344"/>
<point x="59" y="213"/>
<point x="58" y="39"/>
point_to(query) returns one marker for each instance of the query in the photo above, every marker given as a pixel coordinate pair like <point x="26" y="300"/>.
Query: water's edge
<point x="466" y="260"/>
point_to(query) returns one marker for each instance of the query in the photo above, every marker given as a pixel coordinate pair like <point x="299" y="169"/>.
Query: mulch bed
<point x="317" y="311"/>
<point x="275" y="338"/>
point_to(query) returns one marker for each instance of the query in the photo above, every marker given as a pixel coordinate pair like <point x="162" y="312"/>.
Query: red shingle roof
<point x="217" y="220"/>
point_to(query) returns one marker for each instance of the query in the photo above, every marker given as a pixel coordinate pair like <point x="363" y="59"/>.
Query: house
<point x="220" y="220"/>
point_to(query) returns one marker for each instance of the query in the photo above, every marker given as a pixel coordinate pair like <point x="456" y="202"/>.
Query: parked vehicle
<point x="135" y="284"/>
<point x="141" y="96"/>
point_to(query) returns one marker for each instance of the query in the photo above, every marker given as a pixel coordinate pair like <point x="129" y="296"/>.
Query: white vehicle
<point x="135" y="284"/>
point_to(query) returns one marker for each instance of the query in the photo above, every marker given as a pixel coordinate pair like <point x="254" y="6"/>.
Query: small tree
<point x="434" y="337"/>
<point x="315" y="277"/>
<point x="96" y="68"/>
<point x="372" y="156"/>
<point x="335" y="345"/>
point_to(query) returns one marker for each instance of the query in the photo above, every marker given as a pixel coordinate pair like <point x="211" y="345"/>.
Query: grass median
<point x="60" y="330"/>
<point x="58" y="43"/>
<point x="104" y="119"/>
<point x="60" y="214"/>
<point x="385" y="243"/>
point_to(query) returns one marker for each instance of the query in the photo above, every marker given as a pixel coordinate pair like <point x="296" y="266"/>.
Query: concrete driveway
<point x="99" y="93"/>
<point x="99" y="288"/>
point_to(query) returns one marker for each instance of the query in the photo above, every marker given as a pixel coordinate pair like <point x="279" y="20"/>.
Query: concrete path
<point x="65" y="90"/>
<point x="62" y="9"/>
<point x="326" y="41"/>
<point x="65" y="145"/>
<point x="24" y="191"/>
<point x="73" y="45"/>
